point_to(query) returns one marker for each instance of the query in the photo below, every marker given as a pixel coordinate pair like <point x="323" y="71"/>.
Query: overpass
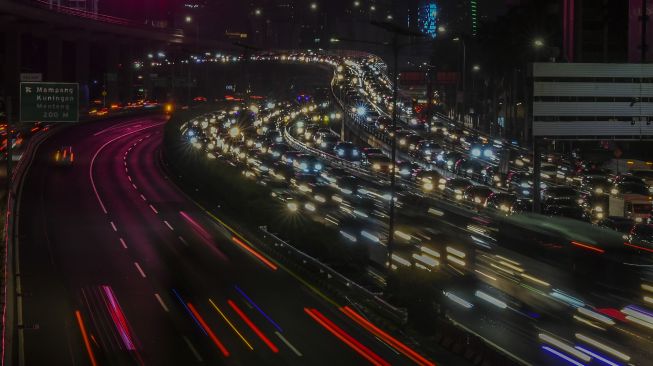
<point x="65" y="44"/>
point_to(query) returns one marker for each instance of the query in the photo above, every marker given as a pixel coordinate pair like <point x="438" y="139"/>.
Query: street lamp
<point x="313" y="6"/>
<point x="538" y="43"/>
<point x="257" y="12"/>
<point x="188" y="19"/>
<point x="397" y="31"/>
<point x="476" y="68"/>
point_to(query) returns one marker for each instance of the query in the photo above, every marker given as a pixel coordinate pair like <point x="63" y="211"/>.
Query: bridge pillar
<point x="111" y="74"/>
<point x="54" y="50"/>
<point x="11" y="69"/>
<point x="82" y="70"/>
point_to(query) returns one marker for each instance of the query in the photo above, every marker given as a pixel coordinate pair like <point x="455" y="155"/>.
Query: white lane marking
<point x="154" y="209"/>
<point x="122" y="241"/>
<point x="114" y="226"/>
<point x="181" y="238"/>
<point x="125" y="163"/>
<point x="126" y="170"/>
<point x="192" y="349"/>
<point x="134" y="185"/>
<point x="168" y="225"/>
<point x="143" y="197"/>
<point x="140" y="270"/>
<point x="284" y="340"/>
<point x="129" y="177"/>
<point x="163" y="305"/>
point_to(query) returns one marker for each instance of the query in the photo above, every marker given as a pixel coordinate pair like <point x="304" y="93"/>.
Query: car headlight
<point x="318" y="166"/>
<point x="428" y="185"/>
<point x="598" y="209"/>
<point x="614" y="191"/>
<point x="504" y="208"/>
<point x="376" y="166"/>
<point x="599" y="190"/>
<point x="476" y="152"/>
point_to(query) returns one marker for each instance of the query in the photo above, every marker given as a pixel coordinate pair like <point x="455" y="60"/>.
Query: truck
<point x="633" y="206"/>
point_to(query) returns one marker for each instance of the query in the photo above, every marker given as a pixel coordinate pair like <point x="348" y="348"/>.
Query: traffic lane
<point x="139" y="236"/>
<point x="62" y="252"/>
<point x="177" y="220"/>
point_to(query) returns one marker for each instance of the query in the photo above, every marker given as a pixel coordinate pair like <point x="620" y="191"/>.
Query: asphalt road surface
<point x="119" y="267"/>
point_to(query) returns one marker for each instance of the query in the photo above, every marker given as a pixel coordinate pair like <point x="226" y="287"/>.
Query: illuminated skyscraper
<point x="473" y="12"/>
<point x="427" y="18"/>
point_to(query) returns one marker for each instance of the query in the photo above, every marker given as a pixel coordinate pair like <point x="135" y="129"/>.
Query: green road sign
<point x="49" y="102"/>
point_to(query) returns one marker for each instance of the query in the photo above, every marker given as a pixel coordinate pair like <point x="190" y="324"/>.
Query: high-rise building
<point x="427" y="13"/>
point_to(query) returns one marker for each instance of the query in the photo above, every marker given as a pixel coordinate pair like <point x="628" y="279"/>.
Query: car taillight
<point x="72" y="157"/>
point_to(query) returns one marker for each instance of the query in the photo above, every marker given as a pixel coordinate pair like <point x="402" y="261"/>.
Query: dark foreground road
<point x="119" y="267"/>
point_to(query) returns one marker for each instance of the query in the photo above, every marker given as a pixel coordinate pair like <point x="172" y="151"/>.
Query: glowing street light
<point x="476" y="68"/>
<point x="538" y="43"/>
<point x="188" y="19"/>
<point x="313" y="6"/>
<point x="257" y="12"/>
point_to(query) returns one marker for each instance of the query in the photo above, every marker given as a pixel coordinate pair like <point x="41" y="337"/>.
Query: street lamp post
<point x="189" y="19"/>
<point x="461" y="39"/>
<point x="397" y="31"/>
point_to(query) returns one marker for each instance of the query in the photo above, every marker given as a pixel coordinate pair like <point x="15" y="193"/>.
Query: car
<point x="455" y="187"/>
<point x="426" y="150"/>
<point x="572" y="212"/>
<point x="468" y="168"/>
<point x="366" y="151"/>
<point x="407" y="169"/>
<point x="448" y="159"/>
<point x="348" y="151"/>
<point x="289" y="156"/>
<point x="277" y="150"/>
<point x="503" y="202"/>
<point x="379" y="163"/>
<point x="326" y="142"/>
<point x="429" y="180"/>
<point x="595" y="184"/>
<point x="560" y="192"/>
<point x="641" y="236"/>
<point x="477" y="195"/>
<point x="617" y="223"/>
<point x="307" y="164"/>
<point x="64" y="156"/>
<point x="629" y="188"/>
<point x="348" y="184"/>
<point x="628" y="178"/>
<point x="644" y="174"/>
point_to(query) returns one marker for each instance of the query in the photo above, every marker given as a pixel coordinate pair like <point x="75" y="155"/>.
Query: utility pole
<point x="644" y="19"/>
<point x="395" y="92"/>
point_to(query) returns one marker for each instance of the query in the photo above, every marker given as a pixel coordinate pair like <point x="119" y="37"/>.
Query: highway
<point x="120" y="267"/>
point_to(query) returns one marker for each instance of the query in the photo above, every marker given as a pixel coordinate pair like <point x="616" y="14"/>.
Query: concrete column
<point x="11" y="70"/>
<point x="111" y="73"/>
<point x="82" y="70"/>
<point x="54" y="49"/>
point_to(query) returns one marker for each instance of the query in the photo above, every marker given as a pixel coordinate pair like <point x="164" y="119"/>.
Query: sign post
<point x="49" y="102"/>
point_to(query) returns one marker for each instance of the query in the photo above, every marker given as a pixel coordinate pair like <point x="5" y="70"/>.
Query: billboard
<point x="592" y="100"/>
<point x="49" y="102"/>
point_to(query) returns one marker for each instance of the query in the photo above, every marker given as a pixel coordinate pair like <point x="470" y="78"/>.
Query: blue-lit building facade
<point x="427" y="14"/>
